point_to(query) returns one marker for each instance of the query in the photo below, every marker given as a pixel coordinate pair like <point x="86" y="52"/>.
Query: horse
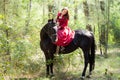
<point x="82" y="39"/>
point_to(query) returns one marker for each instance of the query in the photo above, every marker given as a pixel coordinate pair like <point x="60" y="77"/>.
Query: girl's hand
<point x="57" y="23"/>
<point x="58" y="27"/>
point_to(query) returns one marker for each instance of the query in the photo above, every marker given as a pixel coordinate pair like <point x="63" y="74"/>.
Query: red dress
<point x="65" y="34"/>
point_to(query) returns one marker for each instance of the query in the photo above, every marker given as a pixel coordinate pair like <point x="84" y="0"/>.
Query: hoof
<point x="90" y="73"/>
<point x="88" y="76"/>
<point x="56" y="55"/>
<point x="82" y="77"/>
<point x="47" y="75"/>
<point x="52" y="75"/>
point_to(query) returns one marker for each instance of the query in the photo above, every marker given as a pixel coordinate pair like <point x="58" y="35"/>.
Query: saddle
<point x="65" y="36"/>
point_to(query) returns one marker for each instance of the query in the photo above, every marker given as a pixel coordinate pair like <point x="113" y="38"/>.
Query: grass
<point x="105" y="69"/>
<point x="70" y="67"/>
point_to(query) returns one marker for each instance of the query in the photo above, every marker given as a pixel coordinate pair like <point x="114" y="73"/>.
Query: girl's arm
<point x="65" y="24"/>
<point x="56" y="19"/>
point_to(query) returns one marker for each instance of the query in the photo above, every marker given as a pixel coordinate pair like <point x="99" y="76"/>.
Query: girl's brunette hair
<point x="67" y="14"/>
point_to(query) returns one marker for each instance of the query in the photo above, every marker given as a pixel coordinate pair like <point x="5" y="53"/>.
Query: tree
<point x="103" y="26"/>
<point x="108" y="25"/>
<point x="87" y="15"/>
<point x="28" y="16"/>
<point x="75" y="11"/>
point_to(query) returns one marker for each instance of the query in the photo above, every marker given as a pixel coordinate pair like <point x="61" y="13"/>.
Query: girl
<point x="64" y="34"/>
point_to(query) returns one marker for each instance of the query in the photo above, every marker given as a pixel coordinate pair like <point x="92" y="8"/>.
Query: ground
<point x="106" y="68"/>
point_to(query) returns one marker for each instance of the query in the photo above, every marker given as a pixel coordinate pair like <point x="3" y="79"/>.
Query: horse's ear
<point x="50" y="20"/>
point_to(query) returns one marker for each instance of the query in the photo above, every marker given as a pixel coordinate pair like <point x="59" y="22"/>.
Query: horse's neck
<point x="43" y="34"/>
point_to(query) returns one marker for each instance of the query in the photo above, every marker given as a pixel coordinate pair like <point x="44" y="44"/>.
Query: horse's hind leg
<point x="91" y="67"/>
<point x="86" y="61"/>
<point x="51" y="65"/>
<point x="47" y="65"/>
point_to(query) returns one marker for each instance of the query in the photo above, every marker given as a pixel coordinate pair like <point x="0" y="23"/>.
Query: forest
<point x="21" y="21"/>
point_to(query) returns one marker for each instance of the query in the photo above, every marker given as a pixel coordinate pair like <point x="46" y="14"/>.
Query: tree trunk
<point x="86" y="9"/>
<point x="6" y="31"/>
<point x="6" y="57"/>
<point x="43" y="11"/>
<point x="87" y="15"/>
<point x="107" y="28"/>
<point x="104" y="25"/>
<point x="75" y="11"/>
<point x="57" y="6"/>
<point x="98" y="24"/>
<point x="28" y="16"/>
<point x="50" y="11"/>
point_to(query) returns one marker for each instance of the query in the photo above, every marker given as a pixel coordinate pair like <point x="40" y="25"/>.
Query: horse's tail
<point x="93" y="53"/>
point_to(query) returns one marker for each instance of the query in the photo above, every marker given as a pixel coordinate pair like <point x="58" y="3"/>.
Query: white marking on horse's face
<point x="56" y="29"/>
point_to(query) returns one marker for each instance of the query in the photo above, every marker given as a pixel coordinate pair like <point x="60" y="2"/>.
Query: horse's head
<point x="51" y="30"/>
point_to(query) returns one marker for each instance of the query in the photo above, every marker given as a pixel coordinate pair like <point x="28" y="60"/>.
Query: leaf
<point x="1" y="16"/>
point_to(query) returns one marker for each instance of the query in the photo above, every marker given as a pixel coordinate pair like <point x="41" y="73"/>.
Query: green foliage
<point x="21" y="22"/>
<point x="116" y="30"/>
<point x="115" y="22"/>
<point x="21" y="45"/>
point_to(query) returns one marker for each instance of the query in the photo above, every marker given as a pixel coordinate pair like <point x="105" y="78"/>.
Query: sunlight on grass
<point x="69" y="67"/>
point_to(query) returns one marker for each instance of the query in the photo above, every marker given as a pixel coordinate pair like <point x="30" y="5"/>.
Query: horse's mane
<point x="43" y="33"/>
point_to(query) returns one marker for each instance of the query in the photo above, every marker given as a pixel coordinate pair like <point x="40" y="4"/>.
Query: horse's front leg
<point x="51" y="65"/>
<point x="47" y="64"/>
<point x="51" y="69"/>
<point x="47" y="69"/>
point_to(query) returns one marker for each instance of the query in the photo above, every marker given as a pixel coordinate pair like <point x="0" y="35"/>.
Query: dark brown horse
<point x="83" y="39"/>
